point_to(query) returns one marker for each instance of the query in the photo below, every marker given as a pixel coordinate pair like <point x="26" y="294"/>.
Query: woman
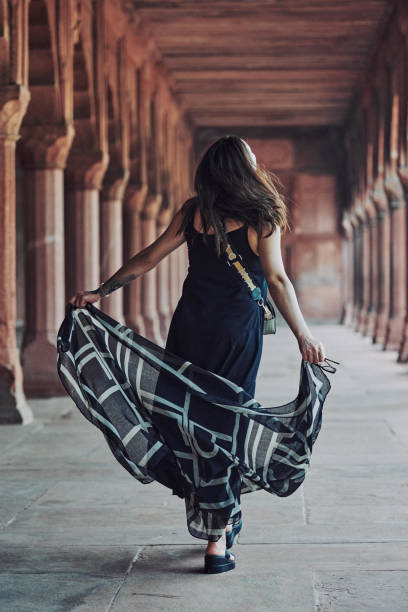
<point x="217" y="325"/>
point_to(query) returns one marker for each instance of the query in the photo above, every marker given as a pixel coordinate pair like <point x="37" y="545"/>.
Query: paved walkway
<point x="79" y="533"/>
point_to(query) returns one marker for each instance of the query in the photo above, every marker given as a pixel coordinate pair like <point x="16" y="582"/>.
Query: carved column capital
<point x="152" y="206"/>
<point x="379" y="195"/>
<point x="114" y="183"/>
<point x="164" y="217"/>
<point x="394" y="190"/>
<point x="403" y="175"/>
<point x="135" y="196"/>
<point x="45" y="145"/>
<point x="354" y="220"/>
<point x="14" y="101"/>
<point x="369" y="206"/>
<point x="360" y="213"/>
<point x="86" y="170"/>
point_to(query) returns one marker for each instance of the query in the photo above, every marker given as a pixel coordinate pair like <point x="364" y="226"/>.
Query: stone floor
<point x="79" y="533"/>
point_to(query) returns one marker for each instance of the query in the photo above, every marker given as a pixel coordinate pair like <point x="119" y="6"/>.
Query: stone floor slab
<point x="183" y="584"/>
<point x="375" y="591"/>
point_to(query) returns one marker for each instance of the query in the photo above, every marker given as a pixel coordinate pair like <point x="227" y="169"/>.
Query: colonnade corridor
<point x="79" y="533"/>
<point x="106" y="109"/>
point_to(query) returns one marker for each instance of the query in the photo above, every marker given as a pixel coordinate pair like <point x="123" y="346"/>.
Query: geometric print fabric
<point x="195" y="432"/>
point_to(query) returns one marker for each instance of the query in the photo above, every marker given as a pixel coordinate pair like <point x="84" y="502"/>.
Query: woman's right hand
<point x="311" y="348"/>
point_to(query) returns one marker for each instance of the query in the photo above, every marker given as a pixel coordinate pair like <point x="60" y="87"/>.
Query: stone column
<point x="384" y="276"/>
<point x="372" y="314"/>
<point x="347" y="276"/>
<point x="43" y="151"/>
<point x="403" y="240"/>
<point x="163" y="272"/>
<point x="14" y="100"/>
<point x="111" y="237"/>
<point x="134" y="200"/>
<point x="149" y="279"/>
<point x="174" y="293"/>
<point x="153" y="201"/>
<point x="380" y="200"/>
<point x="366" y="268"/>
<point x="83" y="181"/>
<point x="358" y="268"/>
<point x="398" y="263"/>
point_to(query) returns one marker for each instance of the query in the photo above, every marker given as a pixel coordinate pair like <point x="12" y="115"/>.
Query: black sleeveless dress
<point x="185" y="415"/>
<point x="217" y="325"/>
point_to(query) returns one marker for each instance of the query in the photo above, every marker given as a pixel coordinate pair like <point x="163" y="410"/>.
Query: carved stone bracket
<point x="14" y="101"/>
<point x="135" y="196"/>
<point x="152" y="206"/>
<point x="115" y="183"/>
<point x="164" y="217"/>
<point x="395" y="190"/>
<point x="86" y="170"/>
<point x="379" y="195"/>
<point x="45" y="145"/>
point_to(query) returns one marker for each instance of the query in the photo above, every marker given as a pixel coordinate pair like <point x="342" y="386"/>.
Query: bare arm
<point x="142" y="262"/>
<point x="284" y="296"/>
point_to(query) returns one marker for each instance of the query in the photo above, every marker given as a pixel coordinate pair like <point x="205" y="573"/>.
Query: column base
<point x="152" y="329"/>
<point x="136" y="323"/>
<point x="355" y="318"/>
<point x="40" y="369"/>
<point x="403" y="352"/>
<point x="164" y="319"/>
<point x="371" y="320"/>
<point x="348" y="315"/>
<point x="14" y="409"/>
<point x="381" y="328"/>
<point x="395" y="332"/>
<point x="362" y="320"/>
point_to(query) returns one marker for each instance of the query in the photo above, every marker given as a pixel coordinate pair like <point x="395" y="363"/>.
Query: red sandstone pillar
<point x="13" y="406"/>
<point x="398" y="263"/>
<point x="149" y="279"/>
<point x="384" y="276"/>
<point x="403" y="348"/>
<point x="111" y="239"/>
<point x="174" y="275"/>
<point x="43" y="151"/>
<point x="383" y="241"/>
<point x="372" y="315"/>
<point x="366" y="228"/>
<point x="347" y="276"/>
<point x="133" y="203"/>
<point x="163" y="272"/>
<point x="83" y="181"/>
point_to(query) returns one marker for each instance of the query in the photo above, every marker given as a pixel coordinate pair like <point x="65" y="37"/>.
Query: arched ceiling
<point x="265" y="62"/>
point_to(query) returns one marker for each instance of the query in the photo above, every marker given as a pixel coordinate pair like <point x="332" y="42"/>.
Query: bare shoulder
<point x="270" y="254"/>
<point x="188" y="204"/>
<point x="256" y="242"/>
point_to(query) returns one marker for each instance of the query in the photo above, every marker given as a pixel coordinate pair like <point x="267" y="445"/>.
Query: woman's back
<point x="217" y="324"/>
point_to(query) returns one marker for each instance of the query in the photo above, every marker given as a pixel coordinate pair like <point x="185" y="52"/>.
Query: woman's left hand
<point x="80" y="299"/>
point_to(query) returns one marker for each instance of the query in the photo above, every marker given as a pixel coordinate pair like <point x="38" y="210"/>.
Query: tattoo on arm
<point x="114" y="283"/>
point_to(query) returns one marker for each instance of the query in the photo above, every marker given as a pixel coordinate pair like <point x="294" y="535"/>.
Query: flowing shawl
<point x="167" y="420"/>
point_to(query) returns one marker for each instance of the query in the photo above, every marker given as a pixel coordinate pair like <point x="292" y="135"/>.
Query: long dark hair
<point x="229" y="185"/>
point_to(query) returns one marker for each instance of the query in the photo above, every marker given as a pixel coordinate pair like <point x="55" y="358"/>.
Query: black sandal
<point x="230" y="535"/>
<point x="215" y="564"/>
